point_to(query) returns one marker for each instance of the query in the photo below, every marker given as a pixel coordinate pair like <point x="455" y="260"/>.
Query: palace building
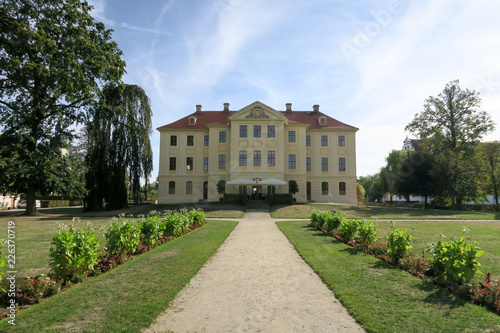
<point x="257" y="151"/>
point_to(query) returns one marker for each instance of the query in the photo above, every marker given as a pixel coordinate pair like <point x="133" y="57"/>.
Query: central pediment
<point x="257" y="111"/>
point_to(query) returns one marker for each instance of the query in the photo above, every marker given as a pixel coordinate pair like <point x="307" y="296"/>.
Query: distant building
<point x="9" y="201"/>
<point x="257" y="150"/>
<point x="411" y="144"/>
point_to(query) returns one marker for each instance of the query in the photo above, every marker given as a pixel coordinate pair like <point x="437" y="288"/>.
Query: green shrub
<point x="398" y="243"/>
<point x="455" y="261"/>
<point x="74" y="254"/>
<point x="151" y="229"/>
<point x="197" y="217"/>
<point x="349" y="229"/>
<point x="332" y="221"/>
<point x="367" y="233"/>
<point x="280" y="199"/>
<point x="175" y="224"/>
<point x="122" y="239"/>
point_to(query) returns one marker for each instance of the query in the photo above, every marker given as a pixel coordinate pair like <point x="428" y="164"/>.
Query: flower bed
<point x="77" y="253"/>
<point x="452" y="264"/>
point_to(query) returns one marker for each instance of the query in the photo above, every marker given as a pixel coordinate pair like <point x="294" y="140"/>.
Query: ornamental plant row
<point x="77" y="253"/>
<point x="451" y="264"/>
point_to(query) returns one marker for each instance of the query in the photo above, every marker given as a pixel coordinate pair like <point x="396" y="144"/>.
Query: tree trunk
<point x="426" y="205"/>
<point x="31" y="203"/>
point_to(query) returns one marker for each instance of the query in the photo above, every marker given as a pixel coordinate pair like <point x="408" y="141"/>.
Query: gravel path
<point x="256" y="282"/>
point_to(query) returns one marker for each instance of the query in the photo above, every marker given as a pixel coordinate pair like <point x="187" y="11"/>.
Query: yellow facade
<point x="257" y="143"/>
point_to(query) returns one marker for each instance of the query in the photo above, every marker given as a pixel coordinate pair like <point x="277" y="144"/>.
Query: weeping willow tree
<point x="118" y="145"/>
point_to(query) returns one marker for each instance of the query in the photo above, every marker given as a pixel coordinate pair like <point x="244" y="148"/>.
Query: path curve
<point x="256" y="282"/>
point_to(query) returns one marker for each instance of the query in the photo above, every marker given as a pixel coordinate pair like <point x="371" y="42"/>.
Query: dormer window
<point x="322" y="120"/>
<point x="192" y="121"/>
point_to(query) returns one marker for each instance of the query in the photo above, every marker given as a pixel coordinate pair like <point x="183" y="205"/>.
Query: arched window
<point x="342" y="188"/>
<point x="324" y="188"/>
<point x="171" y="187"/>
<point x="189" y="187"/>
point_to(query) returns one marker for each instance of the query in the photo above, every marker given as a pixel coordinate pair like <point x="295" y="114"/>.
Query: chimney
<point x="288" y="107"/>
<point x="226" y="107"/>
<point x="198" y="109"/>
<point x="315" y="108"/>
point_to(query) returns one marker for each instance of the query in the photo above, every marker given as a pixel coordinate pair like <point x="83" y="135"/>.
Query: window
<point x="324" y="164"/>
<point x="291" y="161"/>
<point x="324" y="140"/>
<point x="189" y="163"/>
<point x="322" y="121"/>
<point x="171" y="187"/>
<point x="256" y="131"/>
<point x="243" y="131"/>
<point x="341" y="141"/>
<point x="222" y="161"/>
<point x="206" y="140"/>
<point x="291" y="136"/>
<point x="205" y="163"/>
<point x="242" y="189"/>
<point x="341" y="163"/>
<point x="173" y="163"/>
<point x="271" y="189"/>
<point x="173" y="140"/>
<point x="341" y="188"/>
<point x="189" y="187"/>
<point x="308" y="164"/>
<point x="190" y="140"/>
<point x="243" y="157"/>
<point x="222" y="137"/>
<point x="308" y="140"/>
<point x="256" y="158"/>
<point x="324" y="188"/>
<point x="192" y="121"/>
<point x="271" y="131"/>
<point x="271" y="158"/>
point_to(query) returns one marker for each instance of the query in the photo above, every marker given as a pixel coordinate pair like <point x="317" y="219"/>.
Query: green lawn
<point x="129" y="297"/>
<point x="382" y="297"/>
<point x="304" y="211"/>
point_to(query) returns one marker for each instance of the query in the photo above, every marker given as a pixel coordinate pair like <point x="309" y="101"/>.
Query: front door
<point x="256" y="192"/>
<point x="308" y="191"/>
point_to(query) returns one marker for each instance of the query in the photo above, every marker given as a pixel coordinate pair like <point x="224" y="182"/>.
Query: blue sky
<point x="370" y="64"/>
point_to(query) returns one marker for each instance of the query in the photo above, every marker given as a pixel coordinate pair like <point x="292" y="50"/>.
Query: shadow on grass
<point x="440" y="295"/>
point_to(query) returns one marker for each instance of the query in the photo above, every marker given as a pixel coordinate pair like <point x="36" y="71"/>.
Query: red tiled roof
<point x="220" y="117"/>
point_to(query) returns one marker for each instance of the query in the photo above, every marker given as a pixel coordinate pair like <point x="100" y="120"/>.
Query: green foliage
<point x="372" y="186"/>
<point x="349" y="229"/>
<point x="196" y="216"/>
<point x="175" y="224"/>
<point x="221" y="186"/>
<point x="54" y="59"/>
<point x="73" y="253"/>
<point x="122" y="239"/>
<point x="280" y="199"/>
<point x="293" y="187"/>
<point x="367" y="233"/>
<point x="398" y="243"/>
<point x="451" y="120"/>
<point x="455" y="261"/>
<point x="151" y="229"/>
<point x="118" y="145"/>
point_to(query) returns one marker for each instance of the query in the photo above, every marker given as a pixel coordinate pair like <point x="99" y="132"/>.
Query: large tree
<point x="118" y="145"/>
<point x="54" y="59"/>
<point x="451" y="120"/>
<point x="489" y="154"/>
